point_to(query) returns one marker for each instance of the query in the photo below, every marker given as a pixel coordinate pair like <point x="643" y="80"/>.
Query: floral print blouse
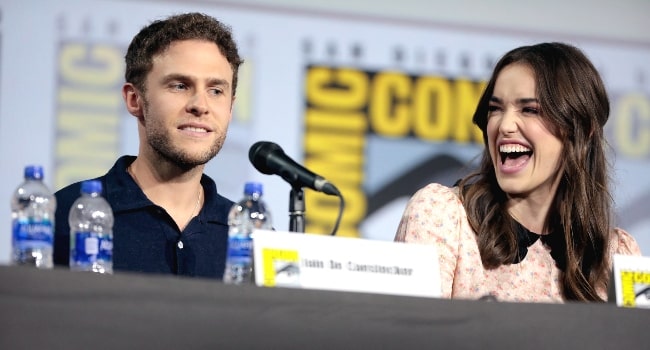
<point x="435" y="215"/>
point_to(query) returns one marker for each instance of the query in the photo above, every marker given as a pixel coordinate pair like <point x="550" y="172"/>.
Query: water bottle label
<point x="33" y="233"/>
<point x="89" y="247"/>
<point x="239" y="262"/>
<point x="240" y="247"/>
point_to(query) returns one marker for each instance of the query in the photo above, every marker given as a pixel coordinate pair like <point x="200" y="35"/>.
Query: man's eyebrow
<point x="175" y="76"/>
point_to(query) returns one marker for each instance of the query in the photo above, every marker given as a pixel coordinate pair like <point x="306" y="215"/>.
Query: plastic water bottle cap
<point x="253" y="187"/>
<point x="34" y="172"/>
<point x="91" y="186"/>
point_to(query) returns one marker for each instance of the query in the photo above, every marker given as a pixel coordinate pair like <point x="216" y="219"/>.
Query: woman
<point x="533" y="223"/>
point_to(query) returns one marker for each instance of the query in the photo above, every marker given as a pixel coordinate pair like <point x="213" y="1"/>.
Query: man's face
<point x="187" y="103"/>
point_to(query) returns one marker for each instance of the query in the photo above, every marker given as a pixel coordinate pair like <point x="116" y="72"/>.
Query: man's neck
<point x="178" y="191"/>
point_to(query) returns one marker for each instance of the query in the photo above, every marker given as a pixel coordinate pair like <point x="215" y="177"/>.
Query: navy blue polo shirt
<point x="145" y="237"/>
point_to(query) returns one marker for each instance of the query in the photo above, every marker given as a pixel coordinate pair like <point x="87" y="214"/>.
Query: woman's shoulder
<point x="436" y="202"/>
<point x="434" y="214"/>
<point x="623" y="243"/>
<point x="438" y="192"/>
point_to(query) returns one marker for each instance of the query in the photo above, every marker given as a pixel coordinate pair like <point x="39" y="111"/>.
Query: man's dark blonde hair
<point x="155" y="38"/>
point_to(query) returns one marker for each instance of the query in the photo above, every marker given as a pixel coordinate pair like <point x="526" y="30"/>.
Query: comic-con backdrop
<point x="379" y="108"/>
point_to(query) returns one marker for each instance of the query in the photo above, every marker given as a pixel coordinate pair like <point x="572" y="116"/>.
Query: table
<point x="60" y="309"/>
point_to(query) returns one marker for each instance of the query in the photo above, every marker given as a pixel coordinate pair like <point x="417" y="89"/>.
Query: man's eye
<point x="216" y="91"/>
<point x="179" y="86"/>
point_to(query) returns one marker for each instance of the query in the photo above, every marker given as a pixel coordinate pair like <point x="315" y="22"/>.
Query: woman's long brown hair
<point x="574" y="103"/>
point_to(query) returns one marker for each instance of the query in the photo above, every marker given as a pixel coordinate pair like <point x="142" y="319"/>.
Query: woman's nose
<point x="509" y="122"/>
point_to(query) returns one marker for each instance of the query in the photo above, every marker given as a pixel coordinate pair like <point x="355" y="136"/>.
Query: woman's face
<point x="525" y="153"/>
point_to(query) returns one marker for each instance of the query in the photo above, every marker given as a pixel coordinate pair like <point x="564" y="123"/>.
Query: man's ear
<point x="133" y="101"/>
<point x="232" y="106"/>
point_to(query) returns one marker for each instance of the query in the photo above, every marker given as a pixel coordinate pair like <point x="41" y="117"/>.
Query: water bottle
<point x="246" y="215"/>
<point x="32" y="215"/>
<point x="91" y="231"/>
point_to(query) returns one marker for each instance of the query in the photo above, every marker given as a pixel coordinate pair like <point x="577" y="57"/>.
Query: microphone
<point x="270" y="159"/>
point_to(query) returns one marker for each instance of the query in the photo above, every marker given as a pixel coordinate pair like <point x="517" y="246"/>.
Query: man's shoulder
<point x="217" y="205"/>
<point x="68" y="194"/>
<point x="73" y="191"/>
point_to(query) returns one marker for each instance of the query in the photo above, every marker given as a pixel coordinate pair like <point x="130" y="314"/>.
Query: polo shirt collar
<point x="124" y="193"/>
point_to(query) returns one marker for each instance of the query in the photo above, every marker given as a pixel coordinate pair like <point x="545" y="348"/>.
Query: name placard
<point x="631" y="279"/>
<point x="297" y="260"/>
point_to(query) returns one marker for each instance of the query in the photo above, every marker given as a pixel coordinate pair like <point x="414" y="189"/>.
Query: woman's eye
<point x="530" y="110"/>
<point x="492" y="109"/>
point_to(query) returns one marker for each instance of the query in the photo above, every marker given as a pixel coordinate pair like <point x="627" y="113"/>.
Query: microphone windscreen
<point x="259" y="153"/>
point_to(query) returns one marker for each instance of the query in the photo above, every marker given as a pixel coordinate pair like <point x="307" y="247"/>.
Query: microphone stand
<point x="297" y="210"/>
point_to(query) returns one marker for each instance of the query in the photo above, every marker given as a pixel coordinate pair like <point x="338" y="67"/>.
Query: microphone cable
<point x="340" y="215"/>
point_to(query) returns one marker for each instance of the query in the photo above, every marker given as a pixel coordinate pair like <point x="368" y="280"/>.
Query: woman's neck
<point x="532" y="213"/>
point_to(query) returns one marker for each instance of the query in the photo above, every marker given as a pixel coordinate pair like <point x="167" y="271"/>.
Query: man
<point x="181" y="77"/>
